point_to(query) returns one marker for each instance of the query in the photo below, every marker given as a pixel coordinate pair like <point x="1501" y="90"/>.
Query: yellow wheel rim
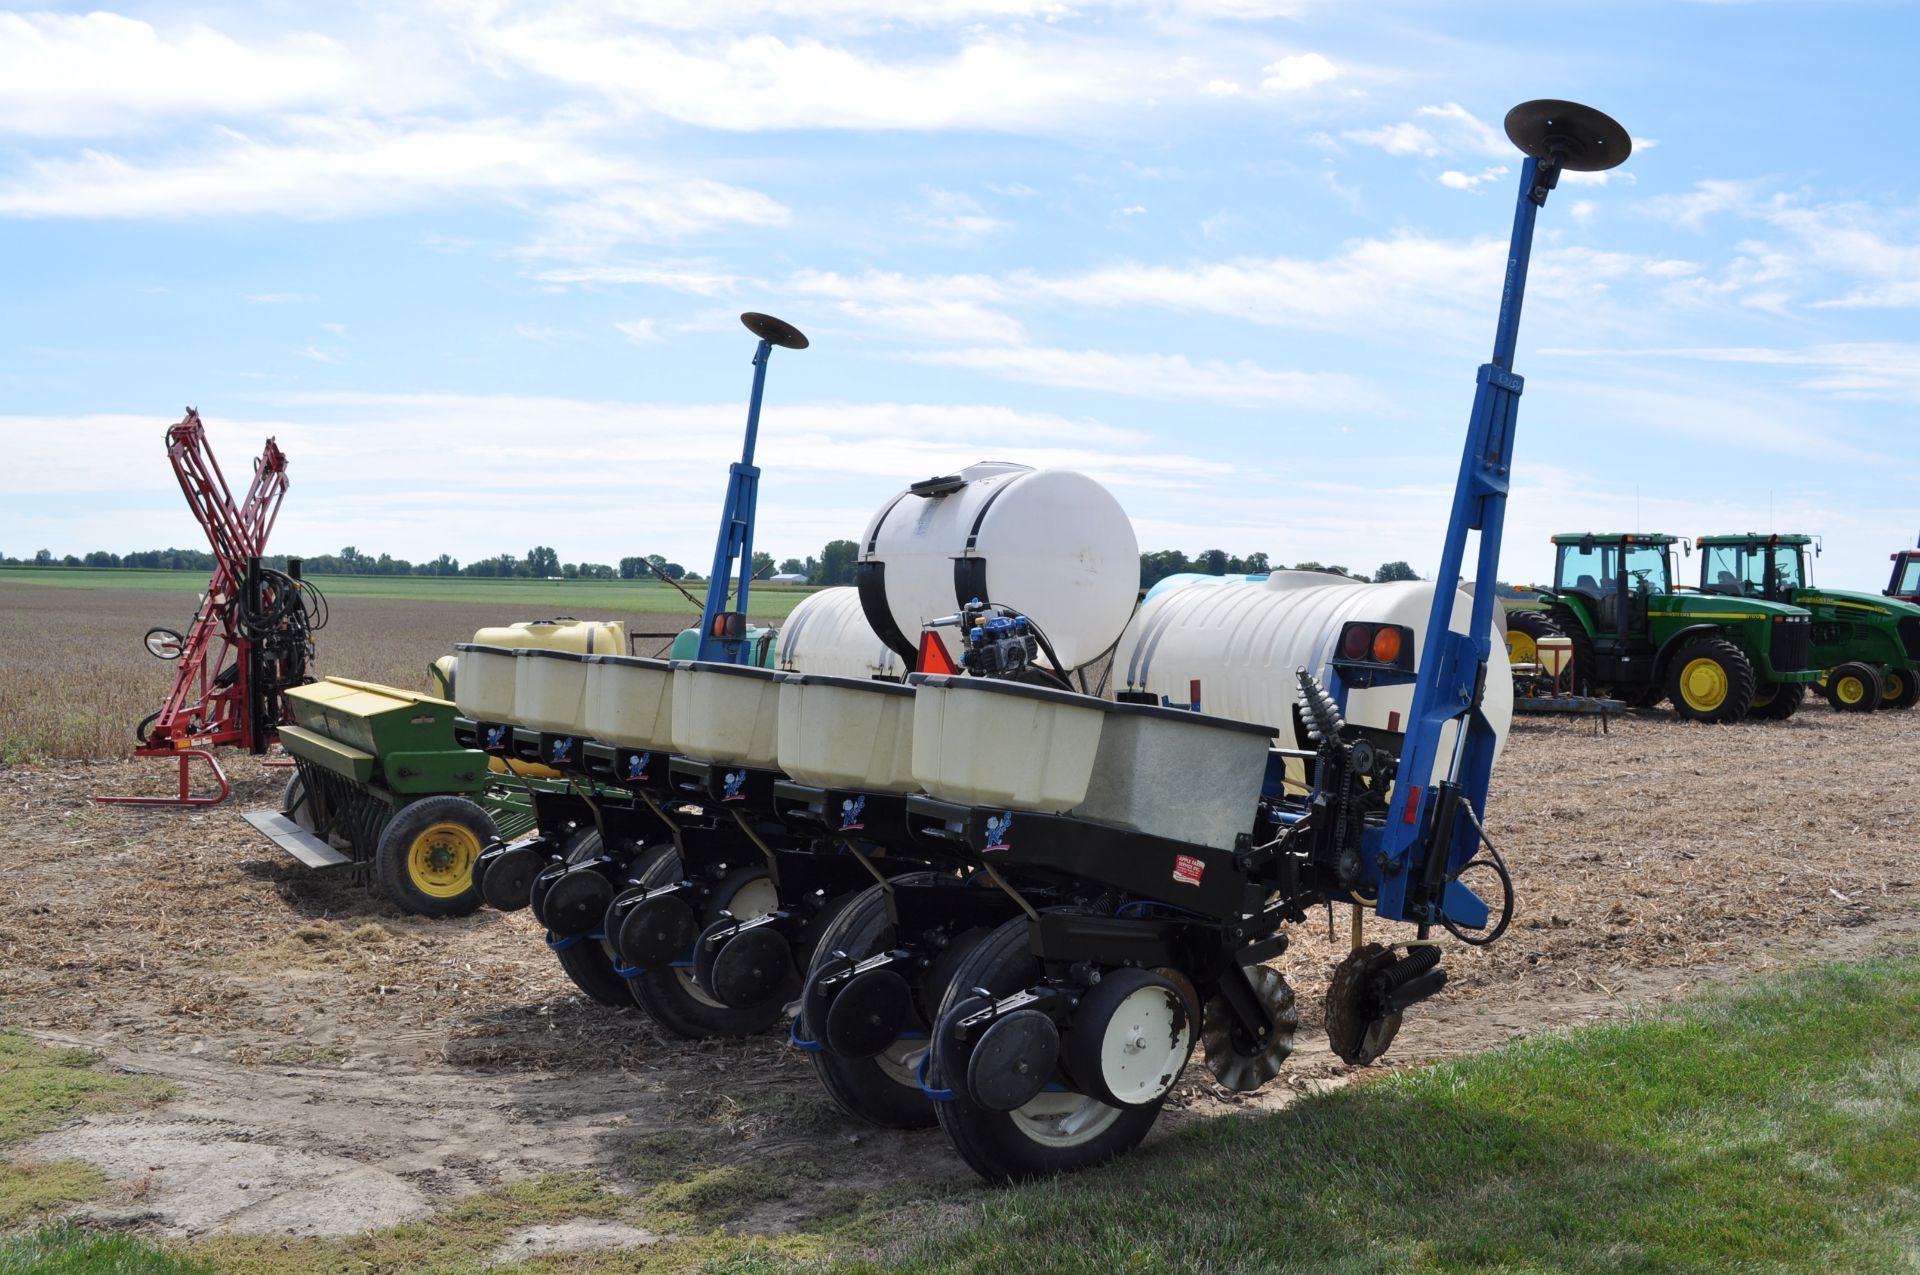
<point x="1521" y="648"/>
<point x="1703" y="684"/>
<point x="1766" y="695"/>
<point x="440" y="860"/>
<point x="1849" y="689"/>
<point x="1895" y="686"/>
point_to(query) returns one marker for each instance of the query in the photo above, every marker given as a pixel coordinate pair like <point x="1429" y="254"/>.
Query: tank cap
<point x="942" y="485"/>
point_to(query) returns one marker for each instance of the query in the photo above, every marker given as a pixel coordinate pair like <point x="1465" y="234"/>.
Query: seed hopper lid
<point x="632" y="661"/>
<point x="1577" y="138"/>
<point x="721" y="666"/>
<point x="882" y="685"/>
<point x="1023" y="690"/>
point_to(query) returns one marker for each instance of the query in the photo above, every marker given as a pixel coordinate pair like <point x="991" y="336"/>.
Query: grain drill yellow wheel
<point x="426" y="855"/>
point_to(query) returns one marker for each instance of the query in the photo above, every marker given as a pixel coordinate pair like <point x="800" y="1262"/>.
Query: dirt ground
<point x="341" y="1066"/>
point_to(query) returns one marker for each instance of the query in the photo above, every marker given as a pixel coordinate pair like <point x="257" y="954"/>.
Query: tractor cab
<point x="1618" y="576"/>
<point x="1905" y="584"/>
<point x="1772" y="567"/>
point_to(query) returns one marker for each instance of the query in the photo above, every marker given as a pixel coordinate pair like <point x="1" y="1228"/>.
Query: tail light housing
<point x="1366" y="645"/>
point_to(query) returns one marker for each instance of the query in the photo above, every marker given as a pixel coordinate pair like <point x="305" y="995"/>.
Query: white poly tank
<point x="1051" y="544"/>
<point x="1242" y="643"/>
<point x="828" y="634"/>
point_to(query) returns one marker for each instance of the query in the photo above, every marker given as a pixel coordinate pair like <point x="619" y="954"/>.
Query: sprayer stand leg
<point x="186" y="797"/>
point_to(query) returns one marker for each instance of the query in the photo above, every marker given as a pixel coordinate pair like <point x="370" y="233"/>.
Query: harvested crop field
<point x="340" y="1067"/>
<point x="82" y="695"/>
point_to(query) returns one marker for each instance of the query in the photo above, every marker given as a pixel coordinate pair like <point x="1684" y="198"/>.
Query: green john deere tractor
<point x="1866" y="645"/>
<point x="1639" y="639"/>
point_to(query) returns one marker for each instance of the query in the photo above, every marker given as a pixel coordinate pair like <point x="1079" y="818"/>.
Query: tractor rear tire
<point x="1900" y="688"/>
<point x="1777" y="701"/>
<point x="590" y="962"/>
<point x="1567" y="621"/>
<point x="1524" y="631"/>
<point x="424" y="862"/>
<point x="1710" y="680"/>
<point x="1855" y="688"/>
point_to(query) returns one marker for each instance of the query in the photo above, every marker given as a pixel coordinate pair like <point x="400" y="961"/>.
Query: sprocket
<point x="1356" y="1038"/>
<point x="1243" y="1072"/>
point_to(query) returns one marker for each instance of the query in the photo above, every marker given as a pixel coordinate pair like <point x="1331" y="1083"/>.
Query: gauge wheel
<point x="1060" y="1130"/>
<point x="672" y="997"/>
<point x="425" y="858"/>
<point x="1777" y="701"/>
<point x="1855" y="688"/>
<point x="591" y="962"/>
<point x="1709" y="680"/>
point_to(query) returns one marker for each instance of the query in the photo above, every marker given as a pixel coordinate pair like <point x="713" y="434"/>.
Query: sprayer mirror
<point x="1578" y="138"/>
<point x="778" y="331"/>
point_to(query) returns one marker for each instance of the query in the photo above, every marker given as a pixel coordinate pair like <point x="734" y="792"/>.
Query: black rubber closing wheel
<point x="753" y="966"/>
<point x="1013" y="1060"/>
<point x="868" y="1014"/>
<point x="509" y="877"/>
<point x="577" y="902"/>
<point x="1580" y="138"/>
<point x="589" y="962"/>
<point x="1060" y="1130"/>
<point x="778" y="331"/>
<point x="656" y="931"/>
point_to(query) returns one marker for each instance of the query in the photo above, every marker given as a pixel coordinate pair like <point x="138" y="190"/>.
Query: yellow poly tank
<point x="589" y="637"/>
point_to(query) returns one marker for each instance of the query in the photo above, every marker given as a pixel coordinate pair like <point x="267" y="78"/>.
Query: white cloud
<point x="1448" y="129"/>
<point x="639" y="331"/>
<point x="691" y="277"/>
<point x="765" y="81"/>
<point x="1134" y="210"/>
<point x="98" y="74"/>
<point x="953" y="217"/>
<point x="319" y="355"/>
<point x="1299" y="73"/>
<point x="342" y="167"/>
<point x="1456" y="180"/>
<point x="1173" y="377"/>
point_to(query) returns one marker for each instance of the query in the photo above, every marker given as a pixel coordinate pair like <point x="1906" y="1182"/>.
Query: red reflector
<point x="1393" y="720"/>
<point x="1413" y="805"/>
<point x="1355" y="640"/>
<point x="933" y="655"/>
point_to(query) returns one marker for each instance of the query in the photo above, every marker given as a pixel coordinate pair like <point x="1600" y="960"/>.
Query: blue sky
<point x="477" y="263"/>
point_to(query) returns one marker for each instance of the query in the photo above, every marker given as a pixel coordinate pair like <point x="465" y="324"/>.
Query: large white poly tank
<point x="1051" y="544"/>
<point x="1242" y="643"/>
<point x="828" y="634"/>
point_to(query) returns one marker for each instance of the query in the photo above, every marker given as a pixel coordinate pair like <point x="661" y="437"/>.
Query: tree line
<point x="833" y="566"/>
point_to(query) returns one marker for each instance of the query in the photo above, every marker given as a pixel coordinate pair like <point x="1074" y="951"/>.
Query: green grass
<point x="39" y="1088"/>
<point x="1775" y="1130"/>
<point x="584" y="597"/>
<point x="67" y="1250"/>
